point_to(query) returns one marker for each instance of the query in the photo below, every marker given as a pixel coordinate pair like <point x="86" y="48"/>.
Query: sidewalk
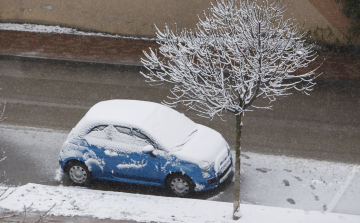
<point x="128" y="51"/>
<point x="77" y="201"/>
<point x="95" y="49"/>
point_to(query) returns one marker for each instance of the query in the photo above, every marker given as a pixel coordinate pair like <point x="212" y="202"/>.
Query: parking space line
<point x="342" y="189"/>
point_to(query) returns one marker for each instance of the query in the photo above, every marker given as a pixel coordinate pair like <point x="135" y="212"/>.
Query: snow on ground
<point x="58" y="29"/>
<point x="305" y="184"/>
<point x="77" y="201"/>
<point x="274" y="188"/>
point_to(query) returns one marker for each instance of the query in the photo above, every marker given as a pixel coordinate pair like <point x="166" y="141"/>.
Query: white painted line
<point x="33" y="129"/>
<point x="39" y="103"/>
<point x="342" y="189"/>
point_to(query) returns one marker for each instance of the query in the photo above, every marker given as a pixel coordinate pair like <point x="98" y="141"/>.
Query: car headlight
<point x="204" y="165"/>
<point x="205" y="175"/>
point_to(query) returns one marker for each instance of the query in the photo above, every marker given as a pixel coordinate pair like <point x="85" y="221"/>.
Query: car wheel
<point x="180" y="185"/>
<point x="79" y="174"/>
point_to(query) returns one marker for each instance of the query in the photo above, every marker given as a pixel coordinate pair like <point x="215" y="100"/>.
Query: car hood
<point x="205" y="145"/>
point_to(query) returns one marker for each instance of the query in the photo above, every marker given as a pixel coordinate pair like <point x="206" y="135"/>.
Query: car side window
<point x="130" y="136"/>
<point x="124" y="130"/>
<point x="141" y="139"/>
<point x="123" y="135"/>
<point x="99" y="132"/>
<point x="137" y="133"/>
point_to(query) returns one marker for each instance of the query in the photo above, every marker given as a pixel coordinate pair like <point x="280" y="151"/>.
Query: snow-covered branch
<point x="240" y="51"/>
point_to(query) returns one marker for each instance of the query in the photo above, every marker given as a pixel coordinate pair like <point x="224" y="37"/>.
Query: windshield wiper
<point x="185" y="141"/>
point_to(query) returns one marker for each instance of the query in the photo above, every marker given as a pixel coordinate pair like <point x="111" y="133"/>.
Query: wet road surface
<point x="56" y="94"/>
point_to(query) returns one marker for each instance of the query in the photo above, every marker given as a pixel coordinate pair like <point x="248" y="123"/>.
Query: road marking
<point x="48" y="104"/>
<point x="33" y="129"/>
<point x="342" y="189"/>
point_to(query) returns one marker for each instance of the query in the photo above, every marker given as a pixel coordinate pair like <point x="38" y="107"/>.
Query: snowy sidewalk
<point x="75" y="201"/>
<point x="305" y="184"/>
<point x="55" y="42"/>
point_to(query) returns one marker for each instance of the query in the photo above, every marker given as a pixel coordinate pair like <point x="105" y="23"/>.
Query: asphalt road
<point x="46" y="98"/>
<point x="56" y="94"/>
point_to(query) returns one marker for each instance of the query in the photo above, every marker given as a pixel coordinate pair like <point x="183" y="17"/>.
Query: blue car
<point x="145" y="143"/>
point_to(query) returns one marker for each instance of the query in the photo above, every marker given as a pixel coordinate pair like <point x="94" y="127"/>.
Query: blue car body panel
<point x="149" y="170"/>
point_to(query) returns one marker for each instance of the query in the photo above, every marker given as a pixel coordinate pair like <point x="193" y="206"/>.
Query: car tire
<point x="79" y="174"/>
<point x="180" y="185"/>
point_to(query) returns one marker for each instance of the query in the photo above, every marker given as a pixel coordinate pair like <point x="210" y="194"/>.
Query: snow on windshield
<point x="170" y="127"/>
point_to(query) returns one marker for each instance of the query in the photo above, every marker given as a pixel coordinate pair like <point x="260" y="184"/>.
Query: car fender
<point x="186" y="168"/>
<point x="82" y="154"/>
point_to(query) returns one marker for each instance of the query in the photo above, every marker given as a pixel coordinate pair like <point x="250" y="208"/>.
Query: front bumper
<point x="222" y="177"/>
<point x="225" y="168"/>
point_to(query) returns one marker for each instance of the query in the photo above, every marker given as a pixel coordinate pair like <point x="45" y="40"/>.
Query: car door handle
<point x="152" y="155"/>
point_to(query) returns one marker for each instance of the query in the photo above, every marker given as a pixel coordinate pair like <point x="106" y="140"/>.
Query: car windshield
<point x="170" y="128"/>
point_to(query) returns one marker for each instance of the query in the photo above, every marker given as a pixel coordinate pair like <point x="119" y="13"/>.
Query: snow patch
<point x="48" y="7"/>
<point x="58" y="174"/>
<point x="110" y="153"/>
<point x="61" y="30"/>
<point x="91" y="161"/>
<point x="163" y="168"/>
<point x="135" y="165"/>
<point x="199" y="187"/>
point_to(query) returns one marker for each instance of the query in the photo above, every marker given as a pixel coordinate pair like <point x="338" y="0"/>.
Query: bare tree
<point x="240" y="51"/>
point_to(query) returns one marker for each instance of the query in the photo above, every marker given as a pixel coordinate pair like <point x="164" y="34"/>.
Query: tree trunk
<point x="237" y="213"/>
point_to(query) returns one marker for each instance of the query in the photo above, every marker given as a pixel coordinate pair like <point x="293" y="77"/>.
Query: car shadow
<point x="149" y="190"/>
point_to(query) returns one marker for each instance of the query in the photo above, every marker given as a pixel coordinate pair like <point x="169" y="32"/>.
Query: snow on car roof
<point x="165" y="125"/>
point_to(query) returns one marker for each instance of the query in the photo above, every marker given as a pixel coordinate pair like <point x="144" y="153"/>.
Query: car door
<point x="128" y="160"/>
<point x="98" y="139"/>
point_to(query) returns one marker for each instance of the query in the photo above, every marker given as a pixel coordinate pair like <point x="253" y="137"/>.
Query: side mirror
<point x="148" y="149"/>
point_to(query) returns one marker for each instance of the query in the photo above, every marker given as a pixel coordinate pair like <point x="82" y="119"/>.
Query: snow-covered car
<point x="145" y="143"/>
